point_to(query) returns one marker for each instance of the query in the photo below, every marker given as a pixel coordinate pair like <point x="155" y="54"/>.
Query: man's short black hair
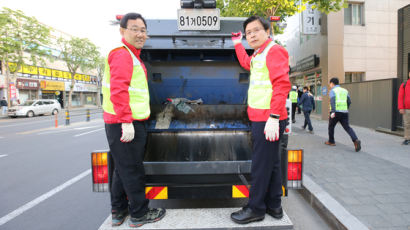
<point x="264" y="23"/>
<point x="131" y="16"/>
<point x="335" y="81"/>
<point x="306" y="88"/>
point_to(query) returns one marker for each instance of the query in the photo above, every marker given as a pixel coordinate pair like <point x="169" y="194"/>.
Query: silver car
<point x="31" y="108"/>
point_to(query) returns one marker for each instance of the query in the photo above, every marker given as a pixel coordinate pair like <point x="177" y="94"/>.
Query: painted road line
<point x="3" y="155"/>
<point x="81" y="134"/>
<point x="62" y="127"/>
<point x="42" y="198"/>
<point x="65" y="130"/>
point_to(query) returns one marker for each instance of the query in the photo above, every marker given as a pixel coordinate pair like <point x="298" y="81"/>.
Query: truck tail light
<point x="99" y="171"/>
<point x="295" y="168"/>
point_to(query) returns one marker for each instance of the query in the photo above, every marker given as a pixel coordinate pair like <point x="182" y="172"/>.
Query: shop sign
<point x="44" y="71"/>
<point x="306" y="64"/>
<point x="52" y="85"/>
<point x="27" y="84"/>
<point x="310" y="21"/>
<point x="32" y="70"/>
<point x="80" y="87"/>
<point x="13" y="91"/>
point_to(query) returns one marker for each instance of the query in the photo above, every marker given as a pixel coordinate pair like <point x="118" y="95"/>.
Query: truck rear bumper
<point x="209" y="218"/>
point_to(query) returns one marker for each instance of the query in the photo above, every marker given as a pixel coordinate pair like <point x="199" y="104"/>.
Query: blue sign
<point x="324" y="91"/>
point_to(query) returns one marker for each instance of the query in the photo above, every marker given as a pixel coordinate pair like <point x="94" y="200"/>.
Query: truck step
<point x="209" y="218"/>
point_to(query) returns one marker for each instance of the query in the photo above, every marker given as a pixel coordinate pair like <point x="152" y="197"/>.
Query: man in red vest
<point x="126" y="107"/>
<point x="269" y="86"/>
<point x="404" y="108"/>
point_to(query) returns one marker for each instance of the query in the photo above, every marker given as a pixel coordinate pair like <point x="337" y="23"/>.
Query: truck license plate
<point x="198" y="19"/>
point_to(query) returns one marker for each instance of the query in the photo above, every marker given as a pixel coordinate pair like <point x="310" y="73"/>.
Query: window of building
<point x="354" y="77"/>
<point x="354" y="14"/>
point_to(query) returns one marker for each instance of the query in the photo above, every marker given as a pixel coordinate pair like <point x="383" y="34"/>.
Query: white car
<point x="31" y="108"/>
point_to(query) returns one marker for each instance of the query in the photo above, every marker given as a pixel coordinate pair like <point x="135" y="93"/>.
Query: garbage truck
<point x="199" y="141"/>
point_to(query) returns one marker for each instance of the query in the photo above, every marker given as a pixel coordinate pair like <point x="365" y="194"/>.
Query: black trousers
<point x="266" y="180"/>
<point x="308" y="123"/>
<point x="343" y="118"/>
<point x="294" y="106"/>
<point x="128" y="182"/>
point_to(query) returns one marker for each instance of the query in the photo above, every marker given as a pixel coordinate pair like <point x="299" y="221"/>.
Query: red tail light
<point x="99" y="165"/>
<point x="294" y="171"/>
<point x="118" y="17"/>
<point x="100" y="174"/>
<point x="295" y="168"/>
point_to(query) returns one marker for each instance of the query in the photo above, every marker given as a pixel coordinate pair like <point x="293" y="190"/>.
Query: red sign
<point x="13" y="91"/>
<point x="27" y="84"/>
<point x="274" y="18"/>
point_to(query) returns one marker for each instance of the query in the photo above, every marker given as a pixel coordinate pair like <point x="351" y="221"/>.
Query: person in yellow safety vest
<point x="269" y="87"/>
<point x="126" y="107"/>
<point x="339" y="112"/>
<point x="293" y="96"/>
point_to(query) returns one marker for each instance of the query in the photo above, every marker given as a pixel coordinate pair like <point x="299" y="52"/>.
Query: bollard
<point x="56" y="120"/>
<point x="88" y="115"/>
<point x="67" y="117"/>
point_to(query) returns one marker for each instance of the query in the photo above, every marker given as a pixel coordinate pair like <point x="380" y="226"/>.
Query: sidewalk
<point x="373" y="184"/>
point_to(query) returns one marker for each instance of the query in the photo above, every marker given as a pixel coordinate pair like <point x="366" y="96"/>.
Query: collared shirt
<point x="277" y="62"/>
<point x="121" y="69"/>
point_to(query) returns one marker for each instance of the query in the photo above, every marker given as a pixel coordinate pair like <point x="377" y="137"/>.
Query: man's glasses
<point x="137" y="31"/>
<point x="250" y="32"/>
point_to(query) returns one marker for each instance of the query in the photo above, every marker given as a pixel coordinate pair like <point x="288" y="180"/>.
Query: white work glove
<point x="127" y="132"/>
<point x="236" y="37"/>
<point x="272" y="129"/>
<point x="332" y="115"/>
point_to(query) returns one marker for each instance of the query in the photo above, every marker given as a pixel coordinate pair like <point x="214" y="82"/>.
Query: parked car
<point x="31" y="108"/>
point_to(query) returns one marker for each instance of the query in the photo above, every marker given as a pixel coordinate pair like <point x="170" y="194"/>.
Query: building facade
<point x="49" y="81"/>
<point x="356" y="44"/>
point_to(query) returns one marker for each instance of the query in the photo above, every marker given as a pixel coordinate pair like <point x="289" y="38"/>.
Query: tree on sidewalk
<point x="78" y="54"/>
<point x="100" y="74"/>
<point x="282" y="8"/>
<point x="23" y="41"/>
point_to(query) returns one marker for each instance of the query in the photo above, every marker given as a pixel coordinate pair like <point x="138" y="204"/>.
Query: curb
<point x="327" y="207"/>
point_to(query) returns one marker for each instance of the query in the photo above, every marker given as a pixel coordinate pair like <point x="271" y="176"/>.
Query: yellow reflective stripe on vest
<point x="138" y="90"/>
<point x="260" y="86"/>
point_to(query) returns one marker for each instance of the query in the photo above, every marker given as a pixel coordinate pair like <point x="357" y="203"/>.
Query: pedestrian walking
<point x="339" y="112"/>
<point x="126" y="108"/>
<point x="300" y="93"/>
<point x="268" y="89"/>
<point x="3" y="105"/>
<point x="293" y="96"/>
<point x="308" y="105"/>
<point x="404" y="109"/>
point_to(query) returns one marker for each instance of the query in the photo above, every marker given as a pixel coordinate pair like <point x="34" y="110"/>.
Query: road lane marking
<point x="65" y="130"/>
<point x="62" y="126"/>
<point x="42" y="198"/>
<point x="88" y="132"/>
<point x="4" y="155"/>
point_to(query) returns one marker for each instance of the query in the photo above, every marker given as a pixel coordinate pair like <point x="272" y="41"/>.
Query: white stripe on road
<point x="4" y="155"/>
<point x="66" y="130"/>
<point x="88" y="132"/>
<point x="42" y="198"/>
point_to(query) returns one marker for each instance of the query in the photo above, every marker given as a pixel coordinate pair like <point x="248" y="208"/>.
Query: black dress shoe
<point x="246" y="216"/>
<point x="276" y="213"/>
